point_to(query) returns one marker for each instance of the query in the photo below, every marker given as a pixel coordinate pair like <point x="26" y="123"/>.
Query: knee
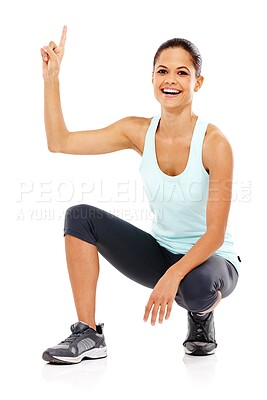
<point x="199" y="292"/>
<point x="78" y="215"/>
<point x="78" y="211"/>
<point x="80" y="221"/>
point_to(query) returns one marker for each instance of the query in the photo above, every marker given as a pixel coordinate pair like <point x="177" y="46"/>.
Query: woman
<point x="187" y="169"/>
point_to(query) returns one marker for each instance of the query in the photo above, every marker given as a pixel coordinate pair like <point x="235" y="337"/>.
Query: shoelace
<point x="72" y="337"/>
<point x="200" y="333"/>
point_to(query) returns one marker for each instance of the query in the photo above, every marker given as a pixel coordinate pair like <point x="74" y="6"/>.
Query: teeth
<point x="171" y="91"/>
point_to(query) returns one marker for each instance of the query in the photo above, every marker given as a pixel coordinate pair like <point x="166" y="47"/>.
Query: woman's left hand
<point x="162" y="297"/>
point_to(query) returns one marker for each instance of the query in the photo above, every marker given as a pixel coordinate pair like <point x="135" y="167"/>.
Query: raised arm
<point x="111" y="138"/>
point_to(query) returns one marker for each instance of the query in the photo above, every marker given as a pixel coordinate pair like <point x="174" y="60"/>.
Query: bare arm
<point x="106" y="140"/>
<point x="220" y="163"/>
<point x="111" y="138"/>
<point x="56" y="130"/>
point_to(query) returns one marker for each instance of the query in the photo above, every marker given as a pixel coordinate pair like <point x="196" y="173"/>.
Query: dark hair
<point x="187" y="46"/>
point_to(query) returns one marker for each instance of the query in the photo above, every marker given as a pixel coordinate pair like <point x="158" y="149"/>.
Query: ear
<point x="199" y="83"/>
<point x="152" y="77"/>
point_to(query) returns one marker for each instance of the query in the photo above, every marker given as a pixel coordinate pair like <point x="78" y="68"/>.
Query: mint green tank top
<point x="179" y="202"/>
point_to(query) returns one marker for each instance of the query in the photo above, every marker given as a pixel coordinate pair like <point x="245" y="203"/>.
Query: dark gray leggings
<point x="137" y="255"/>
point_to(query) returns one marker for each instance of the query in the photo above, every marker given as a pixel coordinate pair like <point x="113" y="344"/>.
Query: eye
<point x="162" y="71"/>
<point x="183" y="73"/>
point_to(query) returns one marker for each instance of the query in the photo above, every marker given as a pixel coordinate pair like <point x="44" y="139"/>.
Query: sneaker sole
<point x="199" y="352"/>
<point x="92" y="354"/>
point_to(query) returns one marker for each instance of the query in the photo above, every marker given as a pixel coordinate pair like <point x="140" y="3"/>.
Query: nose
<point x="171" y="79"/>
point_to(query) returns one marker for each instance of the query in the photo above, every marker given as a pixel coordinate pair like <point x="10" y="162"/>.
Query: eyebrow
<point x="183" y="66"/>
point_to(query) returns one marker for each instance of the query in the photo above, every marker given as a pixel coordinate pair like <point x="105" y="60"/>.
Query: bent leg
<point x="134" y="252"/>
<point x="83" y="268"/>
<point x="200" y="292"/>
<point x="202" y="288"/>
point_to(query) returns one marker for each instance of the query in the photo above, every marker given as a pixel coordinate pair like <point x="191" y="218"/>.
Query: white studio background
<point x="105" y="76"/>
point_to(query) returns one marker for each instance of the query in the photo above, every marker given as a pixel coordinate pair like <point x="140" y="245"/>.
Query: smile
<point x="171" y="92"/>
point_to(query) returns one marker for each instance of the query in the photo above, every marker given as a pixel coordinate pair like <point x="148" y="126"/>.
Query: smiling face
<point x="174" y="78"/>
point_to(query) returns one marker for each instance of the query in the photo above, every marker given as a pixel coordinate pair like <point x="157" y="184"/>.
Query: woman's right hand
<point x="52" y="56"/>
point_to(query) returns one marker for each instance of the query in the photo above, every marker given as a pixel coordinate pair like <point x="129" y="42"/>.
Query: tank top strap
<point x="195" y="154"/>
<point x="195" y="158"/>
<point x="150" y="137"/>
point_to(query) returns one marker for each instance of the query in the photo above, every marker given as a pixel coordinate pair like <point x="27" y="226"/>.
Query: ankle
<point x="89" y="322"/>
<point x="201" y="315"/>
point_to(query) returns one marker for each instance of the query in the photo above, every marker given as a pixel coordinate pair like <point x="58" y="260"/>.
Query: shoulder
<point x="135" y="129"/>
<point x="216" y="147"/>
<point x="134" y="123"/>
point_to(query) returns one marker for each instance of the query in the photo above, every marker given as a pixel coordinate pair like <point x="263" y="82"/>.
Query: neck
<point x="174" y="124"/>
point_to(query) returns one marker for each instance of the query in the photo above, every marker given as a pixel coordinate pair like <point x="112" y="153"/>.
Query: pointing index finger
<point x="63" y="36"/>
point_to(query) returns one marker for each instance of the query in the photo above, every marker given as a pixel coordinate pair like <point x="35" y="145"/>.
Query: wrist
<point x="177" y="272"/>
<point x="51" y="80"/>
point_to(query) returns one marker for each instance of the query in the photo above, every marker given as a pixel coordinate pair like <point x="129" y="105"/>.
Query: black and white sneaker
<point x="200" y="339"/>
<point x="84" y="342"/>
